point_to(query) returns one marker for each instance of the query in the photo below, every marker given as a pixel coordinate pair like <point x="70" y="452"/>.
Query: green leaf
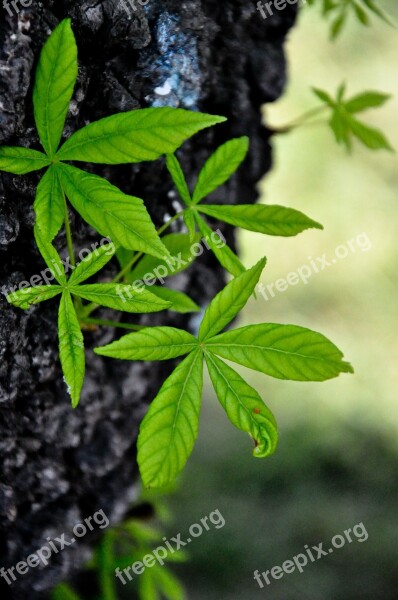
<point x="339" y="126"/>
<point x="169" y="584"/>
<point x="178" y="178"/>
<point x="341" y="90"/>
<point x="281" y="351"/>
<point x="189" y="220"/>
<point x="267" y="219"/>
<point x="220" y="167"/>
<point x="372" y="6"/>
<point x="170" y="428"/>
<point x="230" y="301"/>
<point x="371" y="138"/>
<point x="91" y="264"/>
<point x="361" y="14"/>
<point x="135" y="136"/>
<point x="328" y="5"/>
<point x="20" y="161"/>
<point x="55" y="80"/>
<point x="64" y="592"/>
<point x="124" y="256"/>
<point x="365" y="101"/>
<point x="142" y="532"/>
<point x="120" y="297"/>
<point x="147" y="587"/>
<point x="151" y="343"/>
<point x="49" y="205"/>
<point x="50" y="256"/>
<point x="105" y="558"/>
<point x="244" y="407"/>
<point x="25" y="297"/>
<point x="112" y="213"/>
<point x="71" y="348"/>
<point x="180" y="302"/>
<point x="337" y="25"/>
<point x="324" y="96"/>
<point x="221" y="251"/>
<point x="179" y="248"/>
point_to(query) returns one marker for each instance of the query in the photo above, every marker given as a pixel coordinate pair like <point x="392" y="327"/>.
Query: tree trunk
<point x="60" y="465"/>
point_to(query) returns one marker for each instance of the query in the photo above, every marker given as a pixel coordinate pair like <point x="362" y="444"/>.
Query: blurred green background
<point x="337" y="461"/>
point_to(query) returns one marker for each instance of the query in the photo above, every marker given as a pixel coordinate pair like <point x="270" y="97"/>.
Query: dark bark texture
<point x="60" y="465"/>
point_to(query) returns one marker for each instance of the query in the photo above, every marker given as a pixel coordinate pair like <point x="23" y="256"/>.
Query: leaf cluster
<point x="169" y="430"/>
<point x="338" y="11"/>
<point x="266" y="219"/>
<point x="134" y="136"/>
<point x="344" y="123"/>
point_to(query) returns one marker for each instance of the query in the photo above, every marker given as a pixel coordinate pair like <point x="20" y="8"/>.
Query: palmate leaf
<point x="49" y="205"/>
<point x="120" y="297"/>
<point x="267" y="219"/>
<point x="220" y="166"/>
<point x="111" y="212"/>
<point x="71" y="348"/>
<point x="20" y="161"/>
<point x="243" y="405"/>
<point x="340" y="10"/>
<point x="91" y="264"/>
<point x="225" y="256"/>
<point x="170" y="427"/>
<point x="169" y="431"/>
<point x="135" y="136"/>
<point x="345" y="126"/>
<point x="281" y="351"/>
<point x="24" y="298"/>
<point x="230" y="301"/>
<point x="151" y="343"/>
<point x="55" y="79"/>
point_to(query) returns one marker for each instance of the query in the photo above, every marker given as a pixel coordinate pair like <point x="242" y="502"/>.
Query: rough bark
<point x="60" y="465"/>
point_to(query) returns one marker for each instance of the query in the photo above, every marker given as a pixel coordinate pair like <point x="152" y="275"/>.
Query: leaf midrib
<point x="46" y="106"/>
<point x="173" y="428"/>
<point x="269" y="349"/>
